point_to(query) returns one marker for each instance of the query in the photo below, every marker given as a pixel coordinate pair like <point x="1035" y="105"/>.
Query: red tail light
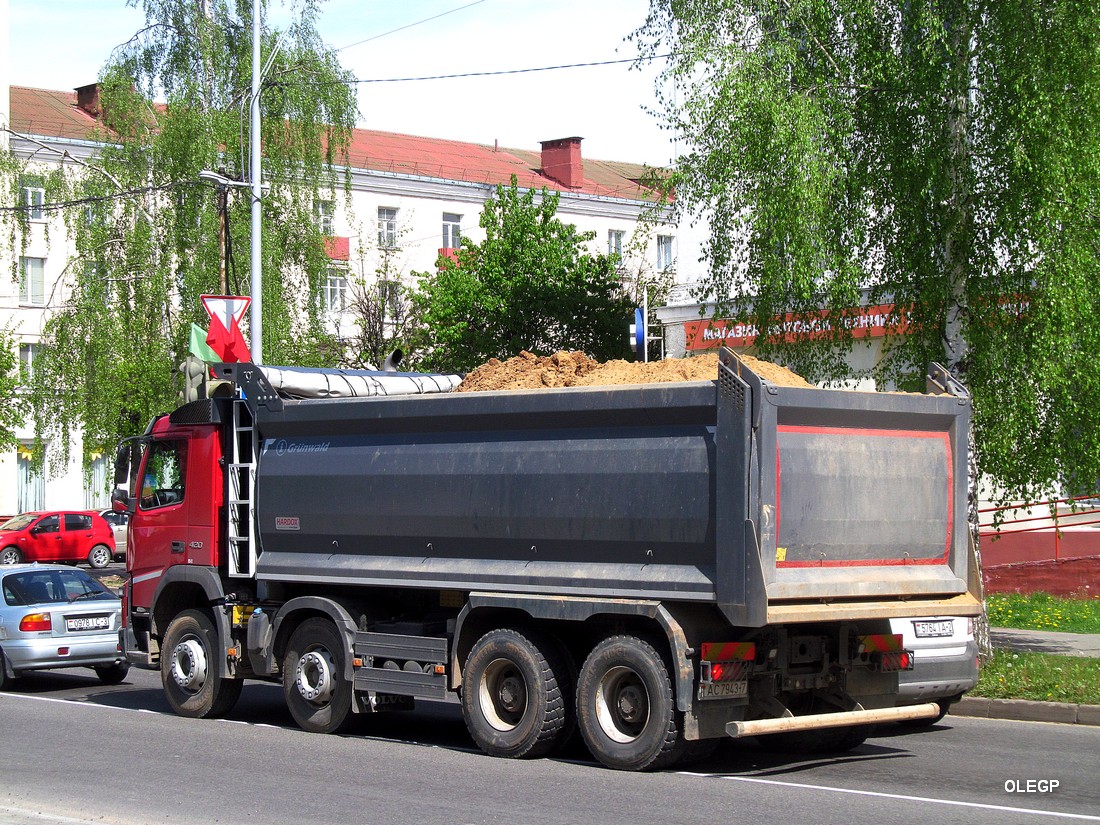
<point x="36" y="621"/>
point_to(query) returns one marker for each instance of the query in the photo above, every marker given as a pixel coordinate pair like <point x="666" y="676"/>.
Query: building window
<point x="389" y="296"/>
<point x="27" y="355"/>
<point x="615" y="242"/>
<point x="335" y="294"/>
<point x="387" y="227"/>
<point x="664" y="252"/>
<point x="30" y="480"/>
<point x="452" y="230"/>
<point x="32" y="281"/>
<point x="95" y="494"/>
<point x="324" y="212"/>
<point x="33" y="197"/>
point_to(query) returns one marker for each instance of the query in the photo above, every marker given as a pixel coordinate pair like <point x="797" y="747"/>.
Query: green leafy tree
<point x="174" y="101"/>
<point x="939" y="155"/>
<point x="530" y="285"/>
<point x="12" y="403"/>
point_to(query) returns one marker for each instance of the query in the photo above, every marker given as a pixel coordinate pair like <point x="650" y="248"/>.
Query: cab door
<point x="161" y="521"/>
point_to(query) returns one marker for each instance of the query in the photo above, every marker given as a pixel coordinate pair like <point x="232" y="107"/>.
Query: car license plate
<point x="88" y="623"/>
<point x="723" y="690"/>
<point x="925" y="630"/>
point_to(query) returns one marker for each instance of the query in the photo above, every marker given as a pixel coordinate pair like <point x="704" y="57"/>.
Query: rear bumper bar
<point x="758" y="727"/>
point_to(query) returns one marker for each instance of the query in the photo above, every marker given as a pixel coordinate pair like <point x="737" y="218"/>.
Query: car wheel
<point x="518" y="701"/>
<point x="112" y="674"/>
<point x="99" y="556"/>
<point x="625" y="707"/>
<point x="189" y="669"/>
<point x="317" y="692"/>
<point x="10" y="555"/>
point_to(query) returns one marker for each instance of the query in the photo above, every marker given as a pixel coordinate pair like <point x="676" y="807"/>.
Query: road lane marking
<point x="879" y="794"/>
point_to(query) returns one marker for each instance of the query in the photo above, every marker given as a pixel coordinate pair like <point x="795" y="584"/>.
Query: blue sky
<point x="62" y="44"/>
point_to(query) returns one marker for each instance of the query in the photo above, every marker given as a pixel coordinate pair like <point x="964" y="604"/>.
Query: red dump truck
<point x="659" y="566"/>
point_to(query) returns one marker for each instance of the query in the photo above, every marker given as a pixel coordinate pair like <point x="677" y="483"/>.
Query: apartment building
<point x="413" y="198"/>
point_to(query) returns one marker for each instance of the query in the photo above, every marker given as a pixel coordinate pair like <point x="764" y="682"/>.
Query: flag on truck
<point x="199" y="348"/>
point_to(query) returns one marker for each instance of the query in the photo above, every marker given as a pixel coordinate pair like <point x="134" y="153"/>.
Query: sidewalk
<point x="1036" y="641"/>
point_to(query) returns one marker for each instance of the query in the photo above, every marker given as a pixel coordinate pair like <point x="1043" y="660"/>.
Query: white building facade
<point x="412" y="199"/>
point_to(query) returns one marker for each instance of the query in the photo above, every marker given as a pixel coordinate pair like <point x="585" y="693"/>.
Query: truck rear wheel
<point x="625" y="707"/>
<point x="189" y="669"/>
<point x="516" y="696"/>
<point x="316" y="690"/>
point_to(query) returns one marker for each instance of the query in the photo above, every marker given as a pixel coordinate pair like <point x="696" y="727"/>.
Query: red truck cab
<point x="177" y="489"/>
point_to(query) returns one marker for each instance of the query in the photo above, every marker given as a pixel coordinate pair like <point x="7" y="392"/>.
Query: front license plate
<point x="723" y="690"/>
<point x="88" y="623"/>
<point x="925" y="630"/>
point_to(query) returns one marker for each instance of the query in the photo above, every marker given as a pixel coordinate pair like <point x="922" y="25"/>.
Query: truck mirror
<point x="121" y="502"/>
<point x="122" y="465"/>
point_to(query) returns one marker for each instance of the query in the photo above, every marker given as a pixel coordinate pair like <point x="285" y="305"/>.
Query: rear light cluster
<point x="884" y="651"/>
<point x="724" y="671"/>
<point x="726" y="661"/>
<point x="36" y="621"/>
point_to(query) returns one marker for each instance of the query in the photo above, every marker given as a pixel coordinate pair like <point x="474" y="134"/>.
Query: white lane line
<point x="878" y="794"/>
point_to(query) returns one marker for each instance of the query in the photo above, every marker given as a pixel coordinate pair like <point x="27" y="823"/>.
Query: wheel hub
<point x="189" y="665"/>
<point x="315" y="676"/>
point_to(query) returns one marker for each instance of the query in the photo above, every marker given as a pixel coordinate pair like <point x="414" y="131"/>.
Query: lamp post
<point x="256" y="319"/>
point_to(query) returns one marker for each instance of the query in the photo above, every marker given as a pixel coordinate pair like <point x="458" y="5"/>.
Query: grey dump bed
<point x="757" y="497"/>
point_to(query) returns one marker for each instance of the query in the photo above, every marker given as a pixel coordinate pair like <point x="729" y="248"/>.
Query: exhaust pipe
<point x="392" y="360"/>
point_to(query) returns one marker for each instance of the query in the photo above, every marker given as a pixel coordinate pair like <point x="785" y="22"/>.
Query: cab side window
<point x="163" y="478"/>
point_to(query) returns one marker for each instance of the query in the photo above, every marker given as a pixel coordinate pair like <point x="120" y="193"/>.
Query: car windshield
<point x="18" y="522"/>
<point x="53" y="587"/>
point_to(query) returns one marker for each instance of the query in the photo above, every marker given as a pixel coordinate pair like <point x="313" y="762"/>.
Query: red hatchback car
<point x="66" y="536"/>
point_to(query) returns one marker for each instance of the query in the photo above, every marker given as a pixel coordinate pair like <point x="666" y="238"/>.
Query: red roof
<point x="49" y="113"/>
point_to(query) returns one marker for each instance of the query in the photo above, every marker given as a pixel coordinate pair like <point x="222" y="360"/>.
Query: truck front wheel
<point x="189" y="669"/>
<point x="316" y="690"/>
<point x="625" y="707"/>
<point x="516" y="696"/>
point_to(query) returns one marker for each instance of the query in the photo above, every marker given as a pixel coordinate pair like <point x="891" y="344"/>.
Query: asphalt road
<point x="74" y="751"/>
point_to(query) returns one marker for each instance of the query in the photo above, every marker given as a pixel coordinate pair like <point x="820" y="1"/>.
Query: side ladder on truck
<point x="242" y="492"/>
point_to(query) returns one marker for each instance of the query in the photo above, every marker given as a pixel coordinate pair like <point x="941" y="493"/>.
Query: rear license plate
<point x="925" y="630"/>
<point x="723" y="690"/>
<point x="88" y="623"/>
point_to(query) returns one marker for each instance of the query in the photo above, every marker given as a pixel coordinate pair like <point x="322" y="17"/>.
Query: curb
<point x="1027" y="711"/>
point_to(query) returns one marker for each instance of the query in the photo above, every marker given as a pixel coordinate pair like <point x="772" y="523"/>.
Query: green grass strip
<point x="1041" y="611"/>
<point x="1041" y="677"/>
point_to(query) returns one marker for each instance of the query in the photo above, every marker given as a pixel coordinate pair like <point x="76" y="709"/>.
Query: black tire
<point x="189" y="669"/>
<point x="517" y="694"/>
<point x="316" y="690"/>
<point x="112" y="674"/>
<point x="625" y="706"/>
<point x="10" y="555"/>
<point x="100" y="556"/>
<point x="5" y="680"/>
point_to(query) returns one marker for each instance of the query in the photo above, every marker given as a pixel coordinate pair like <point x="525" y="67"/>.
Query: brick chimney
<point x="87" y="98"/>
<point x="561" y="160"/>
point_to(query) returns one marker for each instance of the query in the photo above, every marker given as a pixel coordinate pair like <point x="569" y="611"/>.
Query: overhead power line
<point x="513" y="71"/>
<point x="410" y="25"/>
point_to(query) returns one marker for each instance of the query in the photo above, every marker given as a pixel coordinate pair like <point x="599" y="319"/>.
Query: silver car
<point x="945" y="661"/>
<point x="54" y="616"/>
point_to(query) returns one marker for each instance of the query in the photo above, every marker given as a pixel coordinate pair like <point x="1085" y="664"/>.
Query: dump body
<point x="736" y="492"/>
